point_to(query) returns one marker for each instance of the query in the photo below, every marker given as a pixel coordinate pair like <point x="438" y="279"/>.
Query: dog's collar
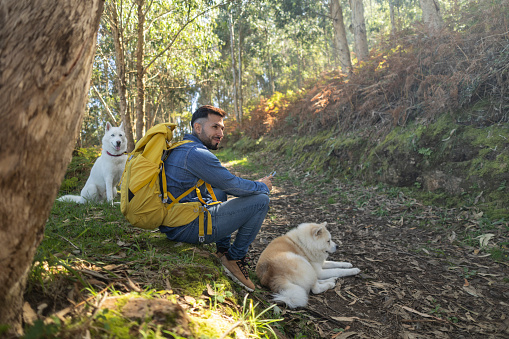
<point x="115" y="155"/>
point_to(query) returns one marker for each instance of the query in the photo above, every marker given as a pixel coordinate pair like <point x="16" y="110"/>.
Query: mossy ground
<point x="476" y="156"/>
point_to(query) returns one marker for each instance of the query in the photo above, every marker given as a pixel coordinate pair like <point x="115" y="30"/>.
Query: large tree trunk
<point x="117" y="33"/>
<point x="431" y="15"/>
<point x="140" y="73"/>
<point x="359" y="30"/>
<point x="340" y="33"/>
<point x="46" y="54"/>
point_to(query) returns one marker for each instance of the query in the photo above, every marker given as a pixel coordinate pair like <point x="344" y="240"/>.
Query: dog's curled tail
<point x="292" y="295"/>
<point x="72" y="198"/>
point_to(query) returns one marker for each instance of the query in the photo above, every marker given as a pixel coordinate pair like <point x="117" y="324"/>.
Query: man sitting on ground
<point x="192" y="161"/>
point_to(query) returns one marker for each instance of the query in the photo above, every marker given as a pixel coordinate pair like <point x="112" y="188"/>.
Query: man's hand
<point x="267" y="181"/>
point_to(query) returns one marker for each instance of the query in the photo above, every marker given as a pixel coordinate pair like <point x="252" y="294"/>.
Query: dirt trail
<point x="417" y="279"/>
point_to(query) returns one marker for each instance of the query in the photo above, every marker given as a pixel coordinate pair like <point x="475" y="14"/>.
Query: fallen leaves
<point x="418" y="313"/>
<point x="416" y="279"/>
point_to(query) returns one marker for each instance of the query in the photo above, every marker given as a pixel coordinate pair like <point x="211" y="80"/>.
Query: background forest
<point x="158" y="60"/>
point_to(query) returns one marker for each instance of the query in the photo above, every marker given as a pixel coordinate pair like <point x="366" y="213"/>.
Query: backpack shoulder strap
<point x="196" y="187"/>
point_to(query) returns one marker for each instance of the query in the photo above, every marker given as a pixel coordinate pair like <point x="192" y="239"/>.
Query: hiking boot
<point x="237" y="270"/>
<point x="220" y="253"/>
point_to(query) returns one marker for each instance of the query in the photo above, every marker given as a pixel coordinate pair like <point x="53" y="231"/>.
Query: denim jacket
<point x="193" y="161"/>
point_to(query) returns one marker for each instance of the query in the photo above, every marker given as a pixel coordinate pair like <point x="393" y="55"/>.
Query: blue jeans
<point x="243" y="214"/>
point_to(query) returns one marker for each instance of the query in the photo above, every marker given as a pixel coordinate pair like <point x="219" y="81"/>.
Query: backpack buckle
<point x="201" y="238"/>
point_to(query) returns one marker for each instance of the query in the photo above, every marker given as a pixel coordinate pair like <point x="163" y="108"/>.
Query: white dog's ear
<point x="108" y="126"/>
<point x="121" y="126"/>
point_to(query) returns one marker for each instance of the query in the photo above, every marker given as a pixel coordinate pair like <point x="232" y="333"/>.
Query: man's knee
<point x="266" y="198"/>
<point x="262" y="200"/>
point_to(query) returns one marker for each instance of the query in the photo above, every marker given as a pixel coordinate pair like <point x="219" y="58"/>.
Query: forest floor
<point x="419" y="278"/>
<point x="426" y="271"/>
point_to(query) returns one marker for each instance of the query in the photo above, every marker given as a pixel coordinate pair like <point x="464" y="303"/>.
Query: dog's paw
<point x="347" y="272"/>
<point x="345" y="264"/>
<point x="323" y="285"/>
<point x="336" y="264"/>
<point x="329" y="281"/>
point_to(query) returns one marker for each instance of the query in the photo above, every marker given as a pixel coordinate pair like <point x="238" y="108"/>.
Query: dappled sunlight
<point x="232" y="163"/>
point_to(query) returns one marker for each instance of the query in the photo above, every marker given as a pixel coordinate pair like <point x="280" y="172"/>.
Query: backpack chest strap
<point x="201" y="209"/>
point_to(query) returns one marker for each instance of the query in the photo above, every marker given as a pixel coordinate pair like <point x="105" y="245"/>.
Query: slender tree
<point x="359" y="30"/>
<point x="431" y="15"/>
<point x="393" y="19"/>
<point x="46" y="54"/>
<point x="140" y="71"/>
<point x="340" y="33"/>
<point x="234" y="76"/>
<point x="240" y="92"/>
<point x="120" y="79"/>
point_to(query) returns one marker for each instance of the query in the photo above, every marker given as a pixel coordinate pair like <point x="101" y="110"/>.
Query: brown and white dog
<point x="295" y="263"/>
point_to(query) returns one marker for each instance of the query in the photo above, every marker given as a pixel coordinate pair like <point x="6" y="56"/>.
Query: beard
<point x="209" y="142"/>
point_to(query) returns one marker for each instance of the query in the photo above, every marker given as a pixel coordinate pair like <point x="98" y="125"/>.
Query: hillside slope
<point x="425" y="112"/>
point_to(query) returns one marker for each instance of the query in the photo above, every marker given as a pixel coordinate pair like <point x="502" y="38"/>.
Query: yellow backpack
<point x="144" y="199"/>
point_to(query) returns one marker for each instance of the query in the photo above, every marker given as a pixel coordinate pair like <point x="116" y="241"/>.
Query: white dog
<point x="107" y="170"/>
<point x="294" y="264"/>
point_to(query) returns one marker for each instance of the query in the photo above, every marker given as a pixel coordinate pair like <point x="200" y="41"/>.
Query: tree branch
<point x="104" y="103"/>
<point x="178" y="33"/>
